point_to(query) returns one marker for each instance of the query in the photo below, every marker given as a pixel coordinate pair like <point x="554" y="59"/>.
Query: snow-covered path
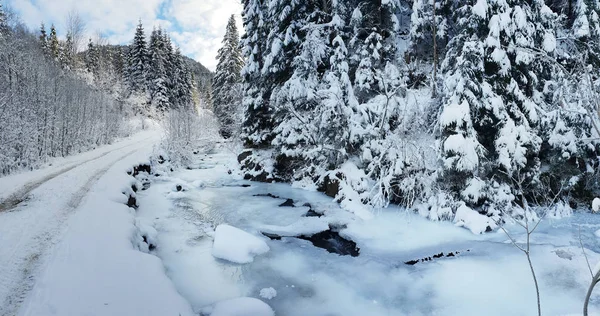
<point x="40" y="213"/>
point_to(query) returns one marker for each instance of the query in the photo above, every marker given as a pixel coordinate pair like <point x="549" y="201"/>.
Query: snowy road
<point x="37" y="214"/>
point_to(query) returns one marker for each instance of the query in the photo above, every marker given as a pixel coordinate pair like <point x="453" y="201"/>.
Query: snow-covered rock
<point x="235" y="245"/>
<point x="468" y="218"/>
<point x="268" y="293"/>
<point x="242" y="306"/>
<point x="596" y="205"/>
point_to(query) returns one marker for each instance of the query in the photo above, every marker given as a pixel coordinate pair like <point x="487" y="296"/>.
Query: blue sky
<point x="197" y="26"/>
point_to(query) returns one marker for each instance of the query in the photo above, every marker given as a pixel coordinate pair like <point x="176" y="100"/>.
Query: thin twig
<point x="584" y="254"/>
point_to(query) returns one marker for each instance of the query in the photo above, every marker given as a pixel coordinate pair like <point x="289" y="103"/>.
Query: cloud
<point x="197" y="26"/>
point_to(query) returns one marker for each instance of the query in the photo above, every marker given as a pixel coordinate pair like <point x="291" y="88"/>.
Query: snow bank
<point x="596" y="205"/>
<point x="242" y="306"/>
<point x="235" y="245"/>
<point x="468" y="218"/>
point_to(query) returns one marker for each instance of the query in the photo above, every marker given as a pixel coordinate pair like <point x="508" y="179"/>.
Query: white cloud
<point x="197" y="26"/>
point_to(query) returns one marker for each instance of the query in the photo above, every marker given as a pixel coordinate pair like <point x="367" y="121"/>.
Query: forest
<point x="458" y="110"/>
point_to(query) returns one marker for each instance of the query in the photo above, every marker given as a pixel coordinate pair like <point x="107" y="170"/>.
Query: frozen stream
<point x="488" y="276"/>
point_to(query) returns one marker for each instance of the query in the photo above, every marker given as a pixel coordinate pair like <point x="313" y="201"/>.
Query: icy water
<point x="467" y="275"/>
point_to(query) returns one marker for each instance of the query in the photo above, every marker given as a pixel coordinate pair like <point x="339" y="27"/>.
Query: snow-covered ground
<point x="73" y="247"/>
<point x="476" y="275"/>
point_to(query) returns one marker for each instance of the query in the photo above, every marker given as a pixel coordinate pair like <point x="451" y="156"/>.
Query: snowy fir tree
<point x="258" y="120"/>
<point x="92" y="60"/>
<point x="138" y="61"/>
<point x="586" y="24"/>
<point x="43" y="38"/>
<point x="157" y="71"/>
<point x="227" y="81"/>
<point x="54" y="44"/>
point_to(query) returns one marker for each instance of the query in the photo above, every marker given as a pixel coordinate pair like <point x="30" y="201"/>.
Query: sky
<point x="196" y="26"/>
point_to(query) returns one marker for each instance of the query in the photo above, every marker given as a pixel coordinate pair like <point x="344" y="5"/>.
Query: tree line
<point x="45" y="110"/>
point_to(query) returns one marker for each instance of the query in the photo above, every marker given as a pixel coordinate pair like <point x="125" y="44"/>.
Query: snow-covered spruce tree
<point x="183" y="84"/>
<point x="66" y="57"/>
<point x="171" y="69"/>
<point x="137" y="62"/>
<point x="586" y="24"/>
<point x="43" y="38"/>
<point x="570" y="148"/>
<point x="157" y="71"/>
<point x="227" y="82"/>
<point x="257" y="130"/>
<point x="301" y="41"/>
<point x="118" y="62"/>
<point x="495" y="77"/>
<point x="54" y="44"/>
<point x="91" y="58"/>
<point x="383" y="132"/>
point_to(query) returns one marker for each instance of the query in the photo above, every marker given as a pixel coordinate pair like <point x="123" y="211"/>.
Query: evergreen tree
<point x="335" y="110"/>
<point x="43" y="38"/>
<point x="119" y="62"/>
<point x="54" y="44"/>
<point x="227" y="81"/>
<point x="66" y="53"/>
<point x="296" y="101"/>
<point x="587" y="22"/>
<point x="495" y="85"/>
<point x="258" y="121"/>
<point x="138" y="61"/>
<point x="182" y="81"/>
<point x="157" y="71"/>
<point x="91" y="58"/>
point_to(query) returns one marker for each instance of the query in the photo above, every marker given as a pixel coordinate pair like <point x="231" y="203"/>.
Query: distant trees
<point x="227" y="89"/>
<point x="157" y="71"/>
<point x="45" y="110"/>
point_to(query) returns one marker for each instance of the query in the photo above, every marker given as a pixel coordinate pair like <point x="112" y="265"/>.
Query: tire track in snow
<point x="22" y="195"/>
<point x="26" y="266"/>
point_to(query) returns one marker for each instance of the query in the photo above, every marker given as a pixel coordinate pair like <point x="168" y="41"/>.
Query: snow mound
<point x="242" y="306"/>
<point x="268" y="293"/>
<point x="475" y="222"/>
<point x="596" y="205"/>
<point x="235" y="245"/>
